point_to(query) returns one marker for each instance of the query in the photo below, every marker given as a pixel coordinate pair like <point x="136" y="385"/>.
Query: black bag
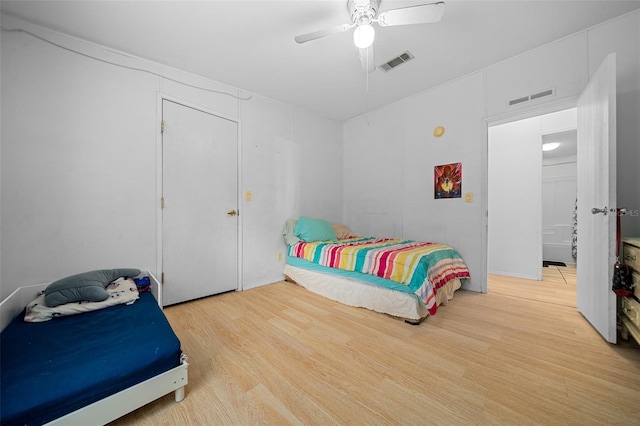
<point x="622" y="284"/>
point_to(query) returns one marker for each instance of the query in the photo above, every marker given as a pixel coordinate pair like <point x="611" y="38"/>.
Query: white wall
<point x="515" y="196"/>
<point x="292" y="166"/>
<point x="464" y="107"/>
<point x="266" y="150"/>
<point x="389" y="157"/>
<point x="318" y="167"/>
<point x="559" y="65"/>
<point x="373" y="170"/>
<point x="78" y="164"/>
<point x="451" y="220"/>
<point x="79" y="154"/>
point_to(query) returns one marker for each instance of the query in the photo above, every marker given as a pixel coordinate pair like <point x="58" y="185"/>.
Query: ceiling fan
<point x="364" y="13"/>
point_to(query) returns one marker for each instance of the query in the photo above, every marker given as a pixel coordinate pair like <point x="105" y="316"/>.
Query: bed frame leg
<point x="179" y="394"/>
<point x="414" y="322"/>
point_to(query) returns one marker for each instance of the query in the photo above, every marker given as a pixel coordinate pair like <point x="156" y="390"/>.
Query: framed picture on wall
<point x="447" y="181"/>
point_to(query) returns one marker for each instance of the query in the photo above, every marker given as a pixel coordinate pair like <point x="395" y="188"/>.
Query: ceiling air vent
<point x="388" y="66"/>
<point x="533" y="97"/>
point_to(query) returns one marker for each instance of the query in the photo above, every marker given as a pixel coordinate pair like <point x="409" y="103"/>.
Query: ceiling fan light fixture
<point x="363" y="36"/>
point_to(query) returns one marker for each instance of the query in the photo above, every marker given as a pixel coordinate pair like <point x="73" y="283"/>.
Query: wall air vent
<point x="542" y="94"/>
<point x="533" y="97"/>
<point x="519" y="100"/>
<point x="388" y="66"/>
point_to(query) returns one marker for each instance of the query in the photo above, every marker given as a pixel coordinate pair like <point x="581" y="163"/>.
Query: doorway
<point x="531" y="204"/>
<point x="559" y="198"/>
<point x="596" y="176"/>
<point x="199" y="219"/>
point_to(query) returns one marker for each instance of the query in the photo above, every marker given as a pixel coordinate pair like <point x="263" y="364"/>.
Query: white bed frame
<point x="117" y="405"/>
<point x="361" y="294"/>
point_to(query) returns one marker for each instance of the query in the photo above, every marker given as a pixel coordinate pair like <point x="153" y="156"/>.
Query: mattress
<point x="368" y="278"/>
<point x="364" y="291"/>
<point x="53" y="368"/>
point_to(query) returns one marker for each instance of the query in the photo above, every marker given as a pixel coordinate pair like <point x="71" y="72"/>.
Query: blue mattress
<point x="53" y="368"/>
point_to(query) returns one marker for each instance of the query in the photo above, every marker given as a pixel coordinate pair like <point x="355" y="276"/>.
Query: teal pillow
<point x="308" y="230"/>
<point x="88" y="286"/>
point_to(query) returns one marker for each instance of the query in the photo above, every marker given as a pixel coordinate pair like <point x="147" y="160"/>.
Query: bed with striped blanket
<point x="424" y="274"/>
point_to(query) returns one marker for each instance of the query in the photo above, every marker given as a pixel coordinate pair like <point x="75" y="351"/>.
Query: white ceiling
<point x="568" y="141"/>
<point x="249" y="44"/>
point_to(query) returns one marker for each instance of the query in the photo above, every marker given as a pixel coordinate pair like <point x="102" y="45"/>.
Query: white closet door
<point x="200" y="192"/>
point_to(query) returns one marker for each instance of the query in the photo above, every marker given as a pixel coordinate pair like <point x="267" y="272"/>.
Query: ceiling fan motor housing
<point x="363" y="11"/>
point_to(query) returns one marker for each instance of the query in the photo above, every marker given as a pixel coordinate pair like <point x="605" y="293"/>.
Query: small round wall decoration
<point x="438" y="131"/>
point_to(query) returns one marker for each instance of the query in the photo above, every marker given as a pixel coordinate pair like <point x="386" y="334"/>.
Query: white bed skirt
<point x="361" y="294"/>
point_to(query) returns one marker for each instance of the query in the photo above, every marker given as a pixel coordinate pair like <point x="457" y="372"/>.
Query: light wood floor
<point x="558" y="286"/>
<point x="279" y="354"/>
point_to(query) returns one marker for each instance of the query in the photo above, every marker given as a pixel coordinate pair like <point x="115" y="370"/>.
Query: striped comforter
<point x="422" y="266"/>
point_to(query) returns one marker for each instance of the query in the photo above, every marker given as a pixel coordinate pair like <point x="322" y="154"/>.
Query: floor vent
<point x="533" y="97"/>
<point x="388" y="66"/>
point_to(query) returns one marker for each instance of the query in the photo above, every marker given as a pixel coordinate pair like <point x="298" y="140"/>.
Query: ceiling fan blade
<point x="367" y="63"/>
<point x="303" y="38"/>
<point x="421" y="14"/>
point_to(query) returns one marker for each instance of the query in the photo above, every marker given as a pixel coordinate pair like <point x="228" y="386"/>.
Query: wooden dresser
<point x="629" y="313"/>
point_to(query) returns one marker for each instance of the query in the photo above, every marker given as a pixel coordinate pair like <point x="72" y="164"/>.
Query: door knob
<point x="232" y="213"/>
<point x="596" y="211"/>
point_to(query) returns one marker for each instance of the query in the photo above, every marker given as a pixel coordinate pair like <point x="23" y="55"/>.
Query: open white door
<point x="597" y="190"/>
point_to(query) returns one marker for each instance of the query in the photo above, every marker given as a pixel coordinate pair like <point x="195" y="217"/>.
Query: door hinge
<point x="162" y="278"/>
<point x="162" y="126"/>
<point x="162" y="202"/>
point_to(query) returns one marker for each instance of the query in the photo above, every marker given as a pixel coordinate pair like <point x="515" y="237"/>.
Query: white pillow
<point x="342" y="231"/>
<point x="287" y="232"/>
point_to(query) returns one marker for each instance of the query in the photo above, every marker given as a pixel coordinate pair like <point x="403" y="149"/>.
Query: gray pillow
<point x="88" y="286"/>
